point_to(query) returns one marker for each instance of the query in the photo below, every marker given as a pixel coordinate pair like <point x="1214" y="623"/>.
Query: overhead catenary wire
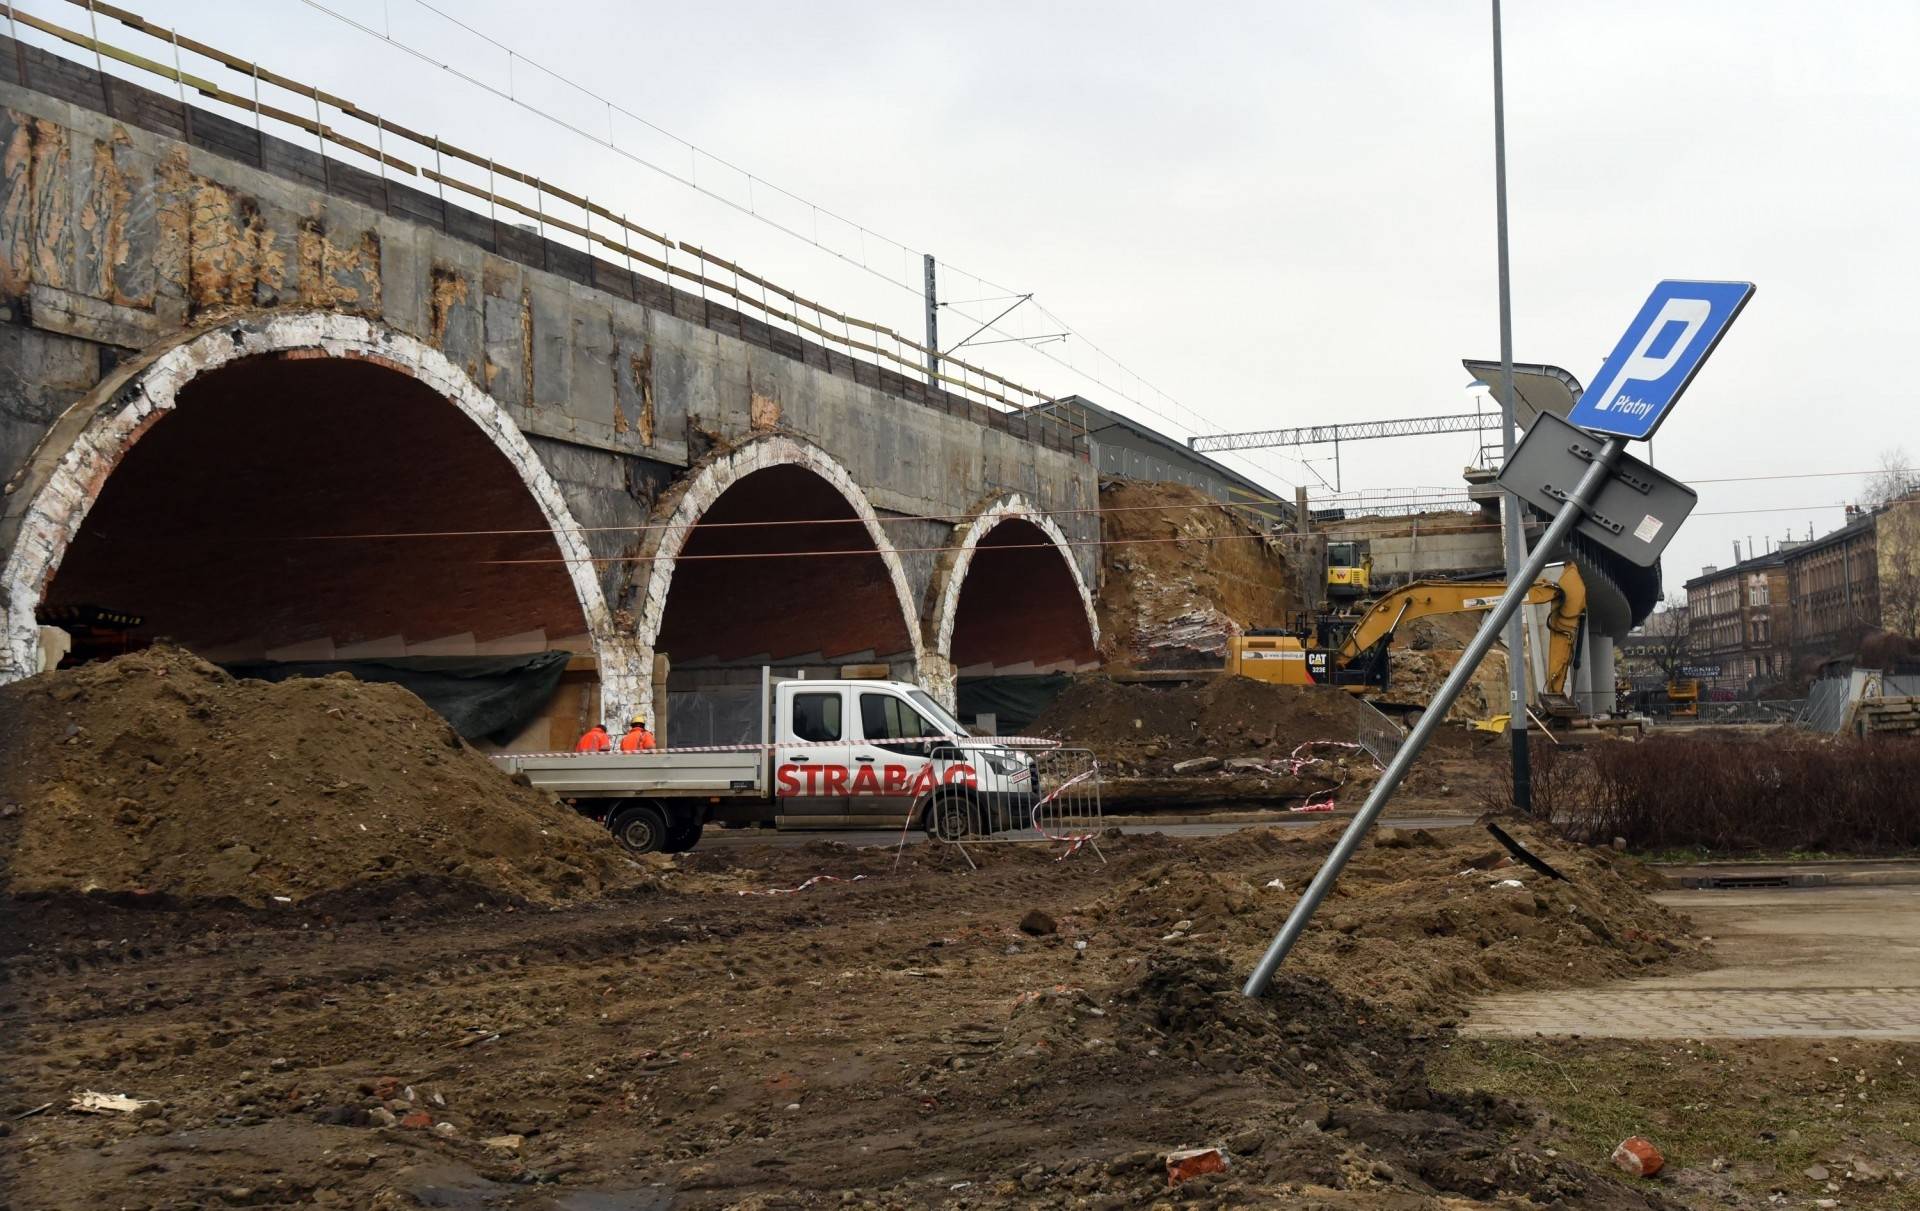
<point x="691" y="181"/>
<point x="1049" y="545"/>
<point x="948" y="519"/>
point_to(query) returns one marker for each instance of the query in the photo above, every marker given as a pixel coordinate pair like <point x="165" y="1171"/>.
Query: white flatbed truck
<point x="842" y="754"/>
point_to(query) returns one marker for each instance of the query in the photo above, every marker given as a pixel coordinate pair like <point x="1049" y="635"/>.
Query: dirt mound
<point x="1337" y="1110"/>
<point x="1181" y="575"/>
<point x="1222" y="716"/>
<point x="1419" y="922"/>
<point x="156" y="772"/>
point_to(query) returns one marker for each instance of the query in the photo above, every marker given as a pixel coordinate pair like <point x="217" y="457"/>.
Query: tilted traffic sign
<point x="1658" y="356"/>
<point x="1637" y="509"/>
<point x="1581" y="481"/>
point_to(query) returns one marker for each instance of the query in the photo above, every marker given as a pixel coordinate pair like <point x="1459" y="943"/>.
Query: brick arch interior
<point x="1020" y="607"/>
<point x="206" y="528"/>
<point x="782" y="569"/>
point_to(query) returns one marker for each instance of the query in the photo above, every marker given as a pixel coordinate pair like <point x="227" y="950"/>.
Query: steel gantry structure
<point x="1318" y="435"/>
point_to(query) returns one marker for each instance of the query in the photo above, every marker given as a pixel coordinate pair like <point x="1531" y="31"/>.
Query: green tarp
<point x="1014" y="701"/>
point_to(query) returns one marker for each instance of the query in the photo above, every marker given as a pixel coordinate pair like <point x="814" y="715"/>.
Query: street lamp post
<point x="1514" y="520"/>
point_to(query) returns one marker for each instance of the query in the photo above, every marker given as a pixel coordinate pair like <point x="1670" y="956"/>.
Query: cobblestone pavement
<point x="1811" y="963"/>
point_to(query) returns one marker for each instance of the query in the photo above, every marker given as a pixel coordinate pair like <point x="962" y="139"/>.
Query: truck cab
<point x="872" y="753"/>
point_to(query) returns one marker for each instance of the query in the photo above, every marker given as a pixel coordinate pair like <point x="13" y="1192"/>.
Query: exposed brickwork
<point x="202" y="528"/>
<point x="1019" y="604"/>
<point x="1028" y="605"/>
<point x="55" y="493"/>
<point x="780" y="606"/>
<point x="837" y="599"/>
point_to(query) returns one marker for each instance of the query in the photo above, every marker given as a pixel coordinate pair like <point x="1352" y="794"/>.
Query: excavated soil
<point x="1174" y="604"/>
<point x="158" y="774"/>
<point x="1415" y="676"/>
<point x="1218" y="716"/>
<point x="1247" y="736"/>
<point x="899" y="1040"/>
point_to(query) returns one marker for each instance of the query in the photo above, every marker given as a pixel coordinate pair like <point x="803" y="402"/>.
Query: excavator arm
<point x="1425" y="598"/>
<point x="1563" y="637"/>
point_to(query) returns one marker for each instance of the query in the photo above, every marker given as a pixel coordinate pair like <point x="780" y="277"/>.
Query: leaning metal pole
<point x="1436" y="712"/>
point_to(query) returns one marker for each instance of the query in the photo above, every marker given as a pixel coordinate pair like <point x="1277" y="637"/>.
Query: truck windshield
<point x="937" y="713"/>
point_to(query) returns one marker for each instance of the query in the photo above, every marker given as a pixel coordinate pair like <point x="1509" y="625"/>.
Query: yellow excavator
<point x="1352" y="652"/>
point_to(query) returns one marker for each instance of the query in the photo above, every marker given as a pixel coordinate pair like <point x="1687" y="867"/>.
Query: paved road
<point x="762" y="836"/>
<point x="1839" y="962"/>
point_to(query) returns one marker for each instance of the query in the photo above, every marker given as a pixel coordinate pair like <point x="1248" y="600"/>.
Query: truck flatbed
<point x="730" y="773"/>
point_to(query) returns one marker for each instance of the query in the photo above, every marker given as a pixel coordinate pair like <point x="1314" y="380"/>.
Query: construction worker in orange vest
<point x="595" y="741"/>
<point x="638" y="739"/>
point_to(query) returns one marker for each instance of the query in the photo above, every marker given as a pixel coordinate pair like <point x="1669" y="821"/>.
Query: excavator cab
<point x="1349" y="573"/>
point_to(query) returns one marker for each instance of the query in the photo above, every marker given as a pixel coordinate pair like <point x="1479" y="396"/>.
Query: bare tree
<point x="1896" y="477"/>
<point x="1663" y="640"/>
<point x="1900" y="596"/>
<point x="1671" y="641"/>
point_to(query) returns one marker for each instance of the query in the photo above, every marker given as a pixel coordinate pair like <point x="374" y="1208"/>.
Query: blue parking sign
<point x="1662" y="350"/>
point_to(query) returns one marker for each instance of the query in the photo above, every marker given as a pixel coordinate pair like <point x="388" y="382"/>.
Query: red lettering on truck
<point x="799" y="781"/>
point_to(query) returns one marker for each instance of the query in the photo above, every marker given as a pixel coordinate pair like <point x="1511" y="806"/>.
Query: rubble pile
<point x="156" y="772"/>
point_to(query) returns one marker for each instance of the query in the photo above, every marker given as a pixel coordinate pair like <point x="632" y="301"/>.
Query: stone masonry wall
<point x="119" y="234"/>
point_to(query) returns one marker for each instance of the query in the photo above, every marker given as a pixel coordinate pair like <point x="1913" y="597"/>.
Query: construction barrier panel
<point x="1059" y="804"/>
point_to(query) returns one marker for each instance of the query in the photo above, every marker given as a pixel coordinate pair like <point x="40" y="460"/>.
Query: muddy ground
<point x="896" y="1039"/>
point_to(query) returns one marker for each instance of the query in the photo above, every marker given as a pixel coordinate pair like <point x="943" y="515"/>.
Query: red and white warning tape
<point x="1076" y="840"/>
<point x="975" y="744"/>
<point x="1300" y="759"/>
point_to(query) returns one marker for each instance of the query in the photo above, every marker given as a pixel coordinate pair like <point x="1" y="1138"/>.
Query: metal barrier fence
<point x="353" y="139"/>
<point x="1058" y="804"/>
<point x="1379" y="735"/>
<point x="1832" y="702"/>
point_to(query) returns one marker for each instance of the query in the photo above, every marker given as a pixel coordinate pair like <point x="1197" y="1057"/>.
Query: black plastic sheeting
<point x="1014" y="701"/>
<point x="484" y="697"/>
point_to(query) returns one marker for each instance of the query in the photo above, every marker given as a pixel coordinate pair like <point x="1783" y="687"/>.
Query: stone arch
<point x="63" y="479"/>
<point x="950" y="576"/>
<point x="679" y="512"/>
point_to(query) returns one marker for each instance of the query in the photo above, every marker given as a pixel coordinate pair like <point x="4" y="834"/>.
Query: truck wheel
<point x="948" y="817"/>
<point x="641" y="828"/>
<point x="683" y="834"/>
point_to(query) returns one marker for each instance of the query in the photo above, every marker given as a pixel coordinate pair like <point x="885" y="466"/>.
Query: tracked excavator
<point x="1353" y="651"/>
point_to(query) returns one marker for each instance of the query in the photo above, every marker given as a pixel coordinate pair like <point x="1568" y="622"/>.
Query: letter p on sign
<point x="1658" y="356"/>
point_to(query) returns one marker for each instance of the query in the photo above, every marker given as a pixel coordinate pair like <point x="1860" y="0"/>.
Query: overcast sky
<point x="1278" y="213"/>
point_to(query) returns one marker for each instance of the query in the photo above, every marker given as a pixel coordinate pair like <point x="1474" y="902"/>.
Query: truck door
<point x="892" y="765"/>
<point x="810" y="760"/>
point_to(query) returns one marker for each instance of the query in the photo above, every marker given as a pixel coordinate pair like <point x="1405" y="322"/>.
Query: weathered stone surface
<point x="120" y="246"/>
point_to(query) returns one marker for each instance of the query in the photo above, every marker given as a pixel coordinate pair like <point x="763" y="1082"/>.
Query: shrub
<point x="1779" y="792"/>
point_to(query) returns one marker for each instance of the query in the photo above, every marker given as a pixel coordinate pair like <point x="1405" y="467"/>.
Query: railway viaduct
<point x="280" y="407"/>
